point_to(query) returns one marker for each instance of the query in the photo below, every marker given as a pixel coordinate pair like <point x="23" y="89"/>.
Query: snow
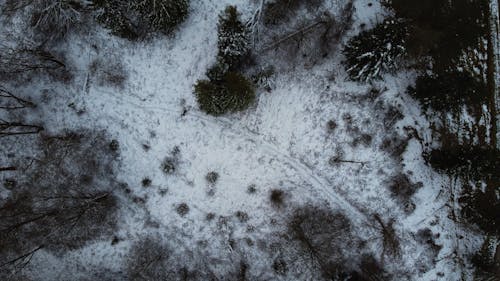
<point x="281" y="142"/>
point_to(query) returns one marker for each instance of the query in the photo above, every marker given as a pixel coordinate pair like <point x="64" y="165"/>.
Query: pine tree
<point x="373" y="52"/>
<point x="234" y="40"/>
<point x="163" y="15"/>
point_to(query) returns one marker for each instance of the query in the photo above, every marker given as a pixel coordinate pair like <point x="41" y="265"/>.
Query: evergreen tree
<point x="234" y="40"/>
<point x="373" y="52"/>
<point x="233" y="93"/>
<point x="227" y="90"/>
<point x="449" y="91"/>
<point x="163" y="15"/>
<point x="116" y="16"/>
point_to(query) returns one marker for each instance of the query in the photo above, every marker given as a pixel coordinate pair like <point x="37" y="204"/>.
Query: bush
<point x="212" y="177"/>
<point x="234" y="93"/>
<point x="277" y="197"/>
<point x="373" y="52"/>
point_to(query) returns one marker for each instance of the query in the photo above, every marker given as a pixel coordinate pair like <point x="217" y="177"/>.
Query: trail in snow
<point x="307" y="173"/>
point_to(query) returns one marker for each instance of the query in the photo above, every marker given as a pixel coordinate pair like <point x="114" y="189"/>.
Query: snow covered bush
<point x="162" y="15"/>
<point x="376" y="51"/>
<point x="233" y="43"/>
<point x="234" y="93"/>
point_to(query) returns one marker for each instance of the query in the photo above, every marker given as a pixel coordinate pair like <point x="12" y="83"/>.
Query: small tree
<point x="373" y="52"/>
<point x="234" y="93"/>
<point x="234" y="40"/>
<point x="227" y="90"/>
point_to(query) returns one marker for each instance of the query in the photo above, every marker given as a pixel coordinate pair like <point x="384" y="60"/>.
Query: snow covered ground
<point x="282" y="142"/>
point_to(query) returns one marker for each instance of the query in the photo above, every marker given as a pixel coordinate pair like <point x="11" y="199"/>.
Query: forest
<point x="335" y="140"/>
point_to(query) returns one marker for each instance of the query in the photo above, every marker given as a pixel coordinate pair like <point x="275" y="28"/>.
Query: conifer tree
<point x="375" y="51"/>
<point x="233" y="41"/>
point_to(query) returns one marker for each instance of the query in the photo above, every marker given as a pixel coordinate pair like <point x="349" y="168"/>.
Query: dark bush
<point x="182" y="209"/>
<point x="277" y="197"/>
<point x="146" y="182"/>
<point x="234" y="93"/>
<point x="109" y="72"/>
<point x="212" y="177"/>
<point x="169" y="165"/>
<point x="402" y="188"/>
<point x="376" y="51"/>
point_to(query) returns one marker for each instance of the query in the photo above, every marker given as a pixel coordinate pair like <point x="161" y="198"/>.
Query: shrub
<point x="146" y="182"/>
<point x="108" y="72"/>
<point x="234" y="93"/>
<point x="277" y="197"/>
<point x="182" y="209"/>
<point x="403" y="189"/>
<point x="373" y="52"/>
<point x="169" y="165"/>
<point x="212" y="177"/>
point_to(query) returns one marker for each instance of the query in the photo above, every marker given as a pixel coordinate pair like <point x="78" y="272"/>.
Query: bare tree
<point x="27" y="58"/>
<point x="65" y="199"/>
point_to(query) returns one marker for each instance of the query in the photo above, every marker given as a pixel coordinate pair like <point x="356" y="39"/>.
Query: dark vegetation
<point x="65" y="199"/>
<point x="376" y="51"/>
<point x="327" y="241"/>
<point x="227" y="90"/>
<point x="53" y="20"/>
<point x="136" y="19"/>
<point x="301" y="32"/>
<point x="440" y="34"/>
